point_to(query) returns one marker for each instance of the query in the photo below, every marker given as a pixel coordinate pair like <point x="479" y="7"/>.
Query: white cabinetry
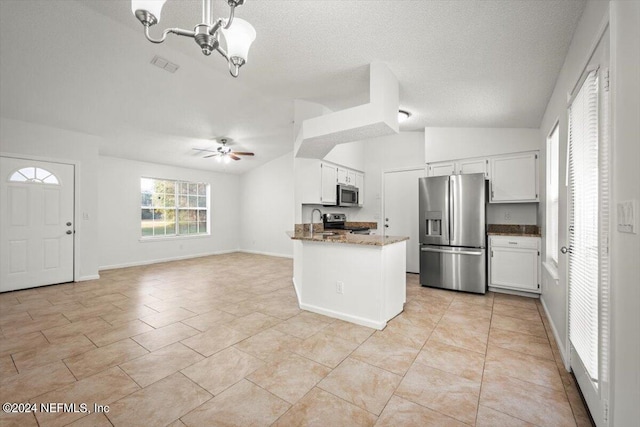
<point x="346" y="176"/>
<point x="328" y="192"/>
<point x="459" y="167"/>
<point x="316" y="181"/>
<point x="514" y="178"/>
<point x="360" y="185"/>
<point x="514" y="263"/>
<point x="467" y="166"/>
<point x="441" y="169"/>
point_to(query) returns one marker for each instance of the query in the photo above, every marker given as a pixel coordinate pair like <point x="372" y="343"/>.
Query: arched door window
<point x="34" y="175"/>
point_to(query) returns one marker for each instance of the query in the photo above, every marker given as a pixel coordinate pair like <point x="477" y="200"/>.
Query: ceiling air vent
<point x="160" y="62"/>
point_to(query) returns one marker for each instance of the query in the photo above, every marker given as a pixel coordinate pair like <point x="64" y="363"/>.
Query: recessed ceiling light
<point x="403" y="115"/>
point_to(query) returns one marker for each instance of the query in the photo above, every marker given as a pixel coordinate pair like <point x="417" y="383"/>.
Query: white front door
<point x="36" y="223"/>
<point x="401" y="211"/>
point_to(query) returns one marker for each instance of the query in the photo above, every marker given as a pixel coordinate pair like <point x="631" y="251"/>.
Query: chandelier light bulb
<point x="151" y="7"/>
<point x="239" y="37"/>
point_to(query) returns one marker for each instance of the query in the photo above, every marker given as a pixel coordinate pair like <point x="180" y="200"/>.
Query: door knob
<point x="386" y="226"/>
<point x="69" y="224"/>
<point x="69" y="232"/>
<point x="564" y="249"/>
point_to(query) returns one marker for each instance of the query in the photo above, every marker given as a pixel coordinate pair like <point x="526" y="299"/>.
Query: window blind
<point x="584" y="224"/>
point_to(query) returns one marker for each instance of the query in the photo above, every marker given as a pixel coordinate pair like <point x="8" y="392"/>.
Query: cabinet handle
<point x="513" y="243"/>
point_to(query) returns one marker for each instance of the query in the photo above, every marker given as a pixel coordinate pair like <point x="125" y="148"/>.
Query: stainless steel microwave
<point x="348" y="195"/>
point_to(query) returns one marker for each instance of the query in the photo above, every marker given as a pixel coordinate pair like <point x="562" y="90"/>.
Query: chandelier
<point x="238" y="33"/>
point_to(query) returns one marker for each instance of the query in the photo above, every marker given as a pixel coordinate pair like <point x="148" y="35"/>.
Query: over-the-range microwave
<point x="347" y="195"/>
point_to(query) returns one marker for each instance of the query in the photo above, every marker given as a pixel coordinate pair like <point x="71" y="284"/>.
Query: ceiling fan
<point x="224" y="152"/>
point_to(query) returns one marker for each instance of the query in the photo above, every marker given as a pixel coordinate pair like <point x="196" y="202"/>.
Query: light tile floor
<point x="220" y="341"/>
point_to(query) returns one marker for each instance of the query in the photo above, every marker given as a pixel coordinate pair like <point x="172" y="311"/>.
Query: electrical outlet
<point x="507" y="215"/>
<point x="340" y="287"/>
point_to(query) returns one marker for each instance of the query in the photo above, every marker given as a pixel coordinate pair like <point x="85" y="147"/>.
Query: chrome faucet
<point x="311" y="222"/>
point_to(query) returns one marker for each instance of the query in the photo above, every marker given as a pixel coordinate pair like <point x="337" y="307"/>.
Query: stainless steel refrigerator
<point x="453" y="232"/>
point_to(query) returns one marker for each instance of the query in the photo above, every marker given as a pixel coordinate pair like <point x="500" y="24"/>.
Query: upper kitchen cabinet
<point x="468" y="166"/>
<point x="360" y="185"/>
<point x="514" y="178"/>
<point x="329" y="176"/>
<point x="459" y="167"/>
<point x="316" y="182"/>
<point x="346" y="176"/>
<point x="441" y="169"/>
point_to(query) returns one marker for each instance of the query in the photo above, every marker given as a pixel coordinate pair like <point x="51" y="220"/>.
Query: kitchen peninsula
<point x="356" y="278"/>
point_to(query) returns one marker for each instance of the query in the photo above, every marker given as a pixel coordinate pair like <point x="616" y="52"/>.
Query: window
<point x="173" y="208"/>
<point x="588" y="201"/>
<point x="34" y="175"/>
<point x="553" y="142"/>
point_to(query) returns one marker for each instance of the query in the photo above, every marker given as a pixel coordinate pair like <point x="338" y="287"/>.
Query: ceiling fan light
<point x="239" y="38"/>
<point x="152" y="7"/>
<point x="227" y="159"/>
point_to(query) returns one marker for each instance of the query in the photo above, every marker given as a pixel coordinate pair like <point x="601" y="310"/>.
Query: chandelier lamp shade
<point x="237" y="33"/>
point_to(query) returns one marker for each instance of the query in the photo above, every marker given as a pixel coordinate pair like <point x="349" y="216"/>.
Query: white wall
<point x="267" y="208"/>
<point x="625" y="248"/>
<point x="119" y="205"/>
<point x="455" y="143"/>
<point x="350" y="155"/>
<point x="404" y="150"/>
<point x="46" y="143"/>
<point x="554" y="294"/>
<point x="512" y="213"/>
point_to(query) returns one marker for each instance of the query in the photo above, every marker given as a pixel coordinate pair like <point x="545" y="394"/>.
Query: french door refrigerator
<point x="453" y="233"/>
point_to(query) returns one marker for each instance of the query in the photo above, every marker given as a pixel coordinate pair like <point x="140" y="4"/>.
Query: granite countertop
<point x="513" y="230"/>
<point x="342" y="236"/>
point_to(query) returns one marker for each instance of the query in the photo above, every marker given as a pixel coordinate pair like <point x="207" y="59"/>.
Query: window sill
<point x="170" y="238"/>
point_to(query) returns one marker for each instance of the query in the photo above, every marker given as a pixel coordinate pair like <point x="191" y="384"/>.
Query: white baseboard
<point x="343" y="316"/>
<point x="266" y="253"/>
<point x="514" y="292"/>
<point x="295" y="288"/>
<point x="85" y="278"/>
<point x="560" y="344"/>
<point x="157" y="261"/>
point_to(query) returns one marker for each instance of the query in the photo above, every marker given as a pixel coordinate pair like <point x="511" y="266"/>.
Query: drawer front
<point x="514" y="242"/>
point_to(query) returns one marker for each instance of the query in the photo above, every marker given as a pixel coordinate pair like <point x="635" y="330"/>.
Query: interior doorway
<point x="37" y="225"/>
<point x="401" y="210"/>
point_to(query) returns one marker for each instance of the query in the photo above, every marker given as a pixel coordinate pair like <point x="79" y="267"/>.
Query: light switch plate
<point x="628" y="216"/>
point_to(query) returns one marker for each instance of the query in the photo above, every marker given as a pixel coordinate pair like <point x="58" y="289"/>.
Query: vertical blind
<point x="584" y="224"/>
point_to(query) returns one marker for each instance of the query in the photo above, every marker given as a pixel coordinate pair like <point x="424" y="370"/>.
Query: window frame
<point x="177" y="209"/>
<point x="552" y="215"/>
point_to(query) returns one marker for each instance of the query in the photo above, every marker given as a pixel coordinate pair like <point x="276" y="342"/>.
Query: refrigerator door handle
<point x="452" y="212"/>
<point x="446" y="251"/>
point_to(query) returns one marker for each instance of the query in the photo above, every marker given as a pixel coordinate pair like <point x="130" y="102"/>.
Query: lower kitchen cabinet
<point x="514" y="263"/>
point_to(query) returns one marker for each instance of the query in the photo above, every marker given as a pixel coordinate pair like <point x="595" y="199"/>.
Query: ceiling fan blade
<point x="204" y="149"/>
<point x="234" y="157"/>
<point x="211" y="155"/>
<point x="242" y="153"/>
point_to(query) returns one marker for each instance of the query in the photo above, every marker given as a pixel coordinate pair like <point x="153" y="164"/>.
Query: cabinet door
<point x="360" y="185"/>
<point x="441" y="169"/>
<point x="343" y="176"/>
<point x="514" y="268"/>
<point x="473" y="166"/>
<point x="328" y="193"/>
<point x="351" y="178"/>
<point x="514" y="178"/>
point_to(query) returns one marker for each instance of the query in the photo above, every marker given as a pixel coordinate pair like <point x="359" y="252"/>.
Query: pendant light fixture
<point x="237" y="33"/>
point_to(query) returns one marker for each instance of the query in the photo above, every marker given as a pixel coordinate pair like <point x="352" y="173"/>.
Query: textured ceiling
<point x="84" y="66"/>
